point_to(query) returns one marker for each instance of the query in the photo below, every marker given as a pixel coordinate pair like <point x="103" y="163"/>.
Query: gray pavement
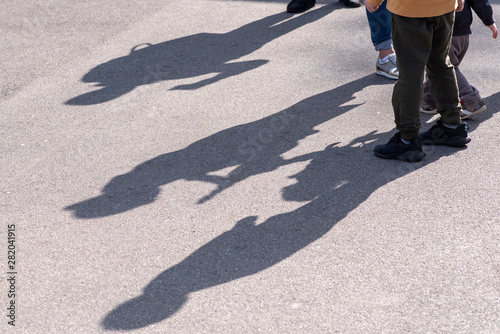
<point x="207" y="167"/>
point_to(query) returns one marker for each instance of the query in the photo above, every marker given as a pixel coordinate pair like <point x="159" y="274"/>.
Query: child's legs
<point x="468" y="94"/>
<point x="412" y="39"/>
<point x="380" y="27"/>
<point x="458" y="47"/>
<point x="441" y="73"/>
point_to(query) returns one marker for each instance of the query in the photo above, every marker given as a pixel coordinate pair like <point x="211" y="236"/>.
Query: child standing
<point x="421" y="33"/>
<point x="472" y="103"/>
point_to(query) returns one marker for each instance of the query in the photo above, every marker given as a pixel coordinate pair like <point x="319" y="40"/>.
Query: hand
<point x="371" y="8"/>
<point x="494" y="29"/>
<point x="460" y="5"/>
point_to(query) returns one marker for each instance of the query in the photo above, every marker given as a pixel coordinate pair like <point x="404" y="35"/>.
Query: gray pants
<point x="468" y="94"/>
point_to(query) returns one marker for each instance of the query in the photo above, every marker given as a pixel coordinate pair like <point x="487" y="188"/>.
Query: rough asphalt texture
<point x="206" y="167"/>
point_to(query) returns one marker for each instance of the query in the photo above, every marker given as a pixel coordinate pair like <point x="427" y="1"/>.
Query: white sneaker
<point x="470" y="111"/>
<point x="388" y="68"/>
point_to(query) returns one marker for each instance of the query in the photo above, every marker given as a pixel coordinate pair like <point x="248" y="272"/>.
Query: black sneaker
<point x="298" y="6"/>
<point x="396" y="149"/>
<point x="442" y="135"/>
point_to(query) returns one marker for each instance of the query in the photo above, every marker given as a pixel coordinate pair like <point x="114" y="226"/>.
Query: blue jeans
<point x="380" y="27"/>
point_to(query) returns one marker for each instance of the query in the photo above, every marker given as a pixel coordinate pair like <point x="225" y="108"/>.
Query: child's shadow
<point x="335" y="182"/>
<point x="249" y="149"/>
<point x="190" y="57"/>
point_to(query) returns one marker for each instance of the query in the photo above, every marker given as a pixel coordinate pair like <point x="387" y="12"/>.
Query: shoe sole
<point x="385" y="74"/>
<point x="453" y="142"/>
<point x="429" y="112"/>
<point x="407" y="156"/>
<point x="466" y="114"/>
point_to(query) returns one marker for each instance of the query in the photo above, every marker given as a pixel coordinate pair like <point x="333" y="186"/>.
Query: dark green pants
<point x="421" y="42"/>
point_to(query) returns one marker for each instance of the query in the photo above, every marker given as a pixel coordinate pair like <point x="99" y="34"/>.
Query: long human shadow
<point x="191" y="56"/>
<point x="336" y="181"/>
<point x="249" y="149"/>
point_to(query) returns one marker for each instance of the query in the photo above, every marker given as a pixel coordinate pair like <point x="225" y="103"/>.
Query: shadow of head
<point x="143" y="311"/>
<point x="113" y="203"/>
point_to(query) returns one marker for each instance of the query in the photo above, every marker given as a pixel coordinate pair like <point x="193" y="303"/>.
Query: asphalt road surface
<point x="194" y="166"/>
